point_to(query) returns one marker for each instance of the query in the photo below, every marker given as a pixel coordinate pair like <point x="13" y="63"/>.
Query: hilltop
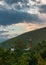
<point x="36" y="36"/>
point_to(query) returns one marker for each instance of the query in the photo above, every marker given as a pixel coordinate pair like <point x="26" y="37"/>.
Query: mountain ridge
<point x="36" y="36"/>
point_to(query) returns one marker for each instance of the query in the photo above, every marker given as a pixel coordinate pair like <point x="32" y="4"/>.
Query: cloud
<point x="14" y="1"/>
<point x="18" y="11"/>
<point x="10" y="31"/>
<point x="17" y="4"/>
<point x="43" y="9"/>
<point x="43" y="1"/>
<point x="3" y="31"/>
<point x="4" y="5"/>
<point x="7" y="18"/>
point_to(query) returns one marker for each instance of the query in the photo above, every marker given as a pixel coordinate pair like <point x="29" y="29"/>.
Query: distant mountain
<point x="36" y="36"/>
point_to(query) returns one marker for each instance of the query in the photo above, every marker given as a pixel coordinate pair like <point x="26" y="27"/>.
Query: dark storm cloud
<point x="43" y="9"/>
<point x="7" y="18"/>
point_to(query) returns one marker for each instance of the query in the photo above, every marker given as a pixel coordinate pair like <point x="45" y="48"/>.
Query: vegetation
<point x="35" y="56"/>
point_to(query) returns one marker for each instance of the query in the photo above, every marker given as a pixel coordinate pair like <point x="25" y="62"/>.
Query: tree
<point x="19" y="44"/>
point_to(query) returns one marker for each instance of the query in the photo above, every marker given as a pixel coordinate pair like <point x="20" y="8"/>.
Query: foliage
<point x="34" y="56"/>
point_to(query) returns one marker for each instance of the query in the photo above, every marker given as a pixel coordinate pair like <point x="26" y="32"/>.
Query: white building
<point x="12" y="49"/>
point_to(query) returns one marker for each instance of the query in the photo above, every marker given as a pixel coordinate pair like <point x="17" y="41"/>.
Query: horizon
<point x="22" y="34"/>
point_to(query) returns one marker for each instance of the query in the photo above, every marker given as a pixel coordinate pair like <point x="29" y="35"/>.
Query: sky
<point x="20" y="16"/>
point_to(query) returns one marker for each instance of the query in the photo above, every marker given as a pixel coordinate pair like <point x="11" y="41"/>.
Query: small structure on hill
<point x="12" y="49"/>
<point x="27" y="49"/>
<point x="21" y="46"/>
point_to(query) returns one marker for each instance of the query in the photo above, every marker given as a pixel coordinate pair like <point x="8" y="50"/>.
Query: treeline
<point x="34" y="56"/>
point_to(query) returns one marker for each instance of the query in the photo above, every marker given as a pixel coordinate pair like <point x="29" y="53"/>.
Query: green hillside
<point x="36" y="36"/>
<point x="34" y="56"/>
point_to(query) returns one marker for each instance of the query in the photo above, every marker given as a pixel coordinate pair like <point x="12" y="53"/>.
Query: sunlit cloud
<point x="14" y="30"/>
<point x="43" y="1"/>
